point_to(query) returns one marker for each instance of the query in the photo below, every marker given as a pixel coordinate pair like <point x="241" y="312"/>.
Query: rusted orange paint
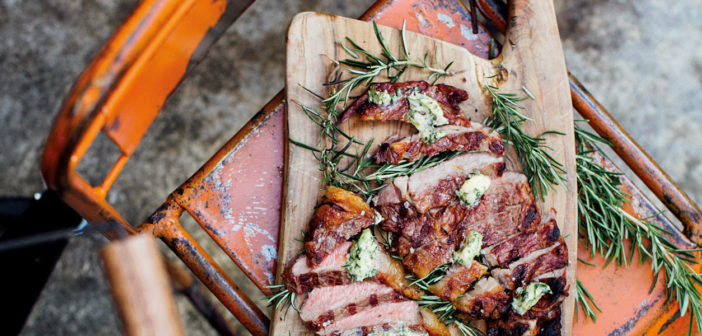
<point x="235" y="196"/>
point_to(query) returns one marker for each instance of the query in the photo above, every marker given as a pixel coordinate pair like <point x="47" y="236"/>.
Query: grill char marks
<point x="487" y="300"/>
<point x="341" y="215"/>
<point x="457" y="280"/>
<point x="474" y="137"/>
<point x="523" y="271"/>
<point x="300" y="277"/>
<point x="535" y="238"/>
<point x="328" y="304"/>
<point x="447" y="96"/>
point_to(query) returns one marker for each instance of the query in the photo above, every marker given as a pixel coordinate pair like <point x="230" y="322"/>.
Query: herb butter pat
<point x="470" y="249"/>
<point x="360" y="262"/>
<point x="425" y="114"/>
<point x="529" y="296"/>
<point x="382" y="98"/>
<point x="399" y="332"/>
<point x="473" y="188"/>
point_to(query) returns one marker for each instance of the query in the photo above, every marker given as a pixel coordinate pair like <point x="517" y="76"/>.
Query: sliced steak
<point x="447" y="96"/>
<point x="457" y="280"/>
<point x="423" y="260"/>
<point x="505" y="209"/>
<point x="521" y="272"/>
<point x="475" y="137"/>
<point x="535" y="238"/>
<point x="401" y="313"/>
<point x="436" y="225"/>
<point x="391" y="272"/>
<point x="430" y="324"/>
<point x="328" y="304"/>
<point x="300" y="277"/>
<point x="437" y="186"/>
<point x="487" y="300"/>
<point x="341" y="215"/>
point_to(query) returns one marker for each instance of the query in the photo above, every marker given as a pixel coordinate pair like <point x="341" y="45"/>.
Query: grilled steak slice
<point x="426" y="258"/>
<point x="447" y="96"/>
<point x="535" y="238"/>
<point x="440" y="225"/>
<point x="505" y="209"/>
<point x="475" y="137"/>
<point x="401" y="313"/>
<point x="328" y="304"/>
<point x="430" y="324"/>
<point x="437" y="186"/>
<point x="300" y="277"/>
<point x="341" y="215"/>
<point x="522" y="271"/>
<point x="391" y="272"/>
<point x="457" y="280"/>
<point x="434" y="187"/>
<point x="487" y="300"/>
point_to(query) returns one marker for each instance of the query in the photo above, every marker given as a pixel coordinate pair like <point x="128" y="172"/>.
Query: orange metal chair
<point x="122" y="90"/>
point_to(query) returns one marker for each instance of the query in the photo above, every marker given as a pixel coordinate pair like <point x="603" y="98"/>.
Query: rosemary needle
<point x="604" y="227"/>
<point x="542" y="170"/>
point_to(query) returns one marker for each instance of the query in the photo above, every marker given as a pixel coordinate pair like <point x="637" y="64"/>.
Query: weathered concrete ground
<point x="641" y="59"/>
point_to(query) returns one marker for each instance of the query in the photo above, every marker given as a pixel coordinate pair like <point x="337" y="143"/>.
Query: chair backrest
<point x="235" y="196"/>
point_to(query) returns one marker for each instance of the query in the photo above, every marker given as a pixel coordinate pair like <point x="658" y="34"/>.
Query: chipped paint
<point x="467" y="33"/>
<point x="447" y="20"/>
<point x="422" y="20"/>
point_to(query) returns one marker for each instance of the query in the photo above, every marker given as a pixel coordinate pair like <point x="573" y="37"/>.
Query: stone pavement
<point x="641" y="59"/>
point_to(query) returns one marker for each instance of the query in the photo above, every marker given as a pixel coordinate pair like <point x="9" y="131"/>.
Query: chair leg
<point x="214" y="278"/>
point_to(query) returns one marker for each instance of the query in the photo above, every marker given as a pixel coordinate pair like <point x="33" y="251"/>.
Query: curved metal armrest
<point x="123" y="89"/>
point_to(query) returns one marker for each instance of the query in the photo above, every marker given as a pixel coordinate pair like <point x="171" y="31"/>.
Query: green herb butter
<point x="360" y="262"/>
<point x="425" y="114"/>
<point x="399" y="332"/>
<point x="383" y="98"/>
<point x="473" y="188"/>
<point x="529" y="296"/>
<point x="470" y="249"/>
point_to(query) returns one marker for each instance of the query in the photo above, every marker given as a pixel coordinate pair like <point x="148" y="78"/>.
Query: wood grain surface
<point x="532" y="58"/>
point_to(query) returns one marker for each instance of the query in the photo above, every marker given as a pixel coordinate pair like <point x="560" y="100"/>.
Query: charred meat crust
<point x="535" y="238"/>
<point x="341" y="215"/>
<point x="487" y="300"/>
<point x="307" y="281"/>
<point x="457" y="280"/>
<point x="522" y="271"/>
<point x="458" y="138"/>
<point x="447" y="96"/>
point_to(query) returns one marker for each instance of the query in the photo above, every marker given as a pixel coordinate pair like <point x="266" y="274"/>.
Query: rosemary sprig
<point x="433" y="277"/>
<point x="542" y="170"/>
<point x="364" y="67"/>
<point x="585" y="300"/>
<point x="604" y="227"/>
<point x="280" y="297"/>
<point x="340" y="166"/>
<point x="448" y="314"/>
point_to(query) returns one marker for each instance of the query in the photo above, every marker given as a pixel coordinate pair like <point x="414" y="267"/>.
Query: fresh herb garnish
<point x="433" y="277"/>
<point x="542" y="170"/>
<point x="280" y="297"/>
<point x="604" y="228"/>
<point x="448" y="314"/>
<point x="343" y="160"/>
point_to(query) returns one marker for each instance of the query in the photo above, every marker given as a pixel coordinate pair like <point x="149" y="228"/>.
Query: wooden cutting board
<point x="532" y="58"/>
